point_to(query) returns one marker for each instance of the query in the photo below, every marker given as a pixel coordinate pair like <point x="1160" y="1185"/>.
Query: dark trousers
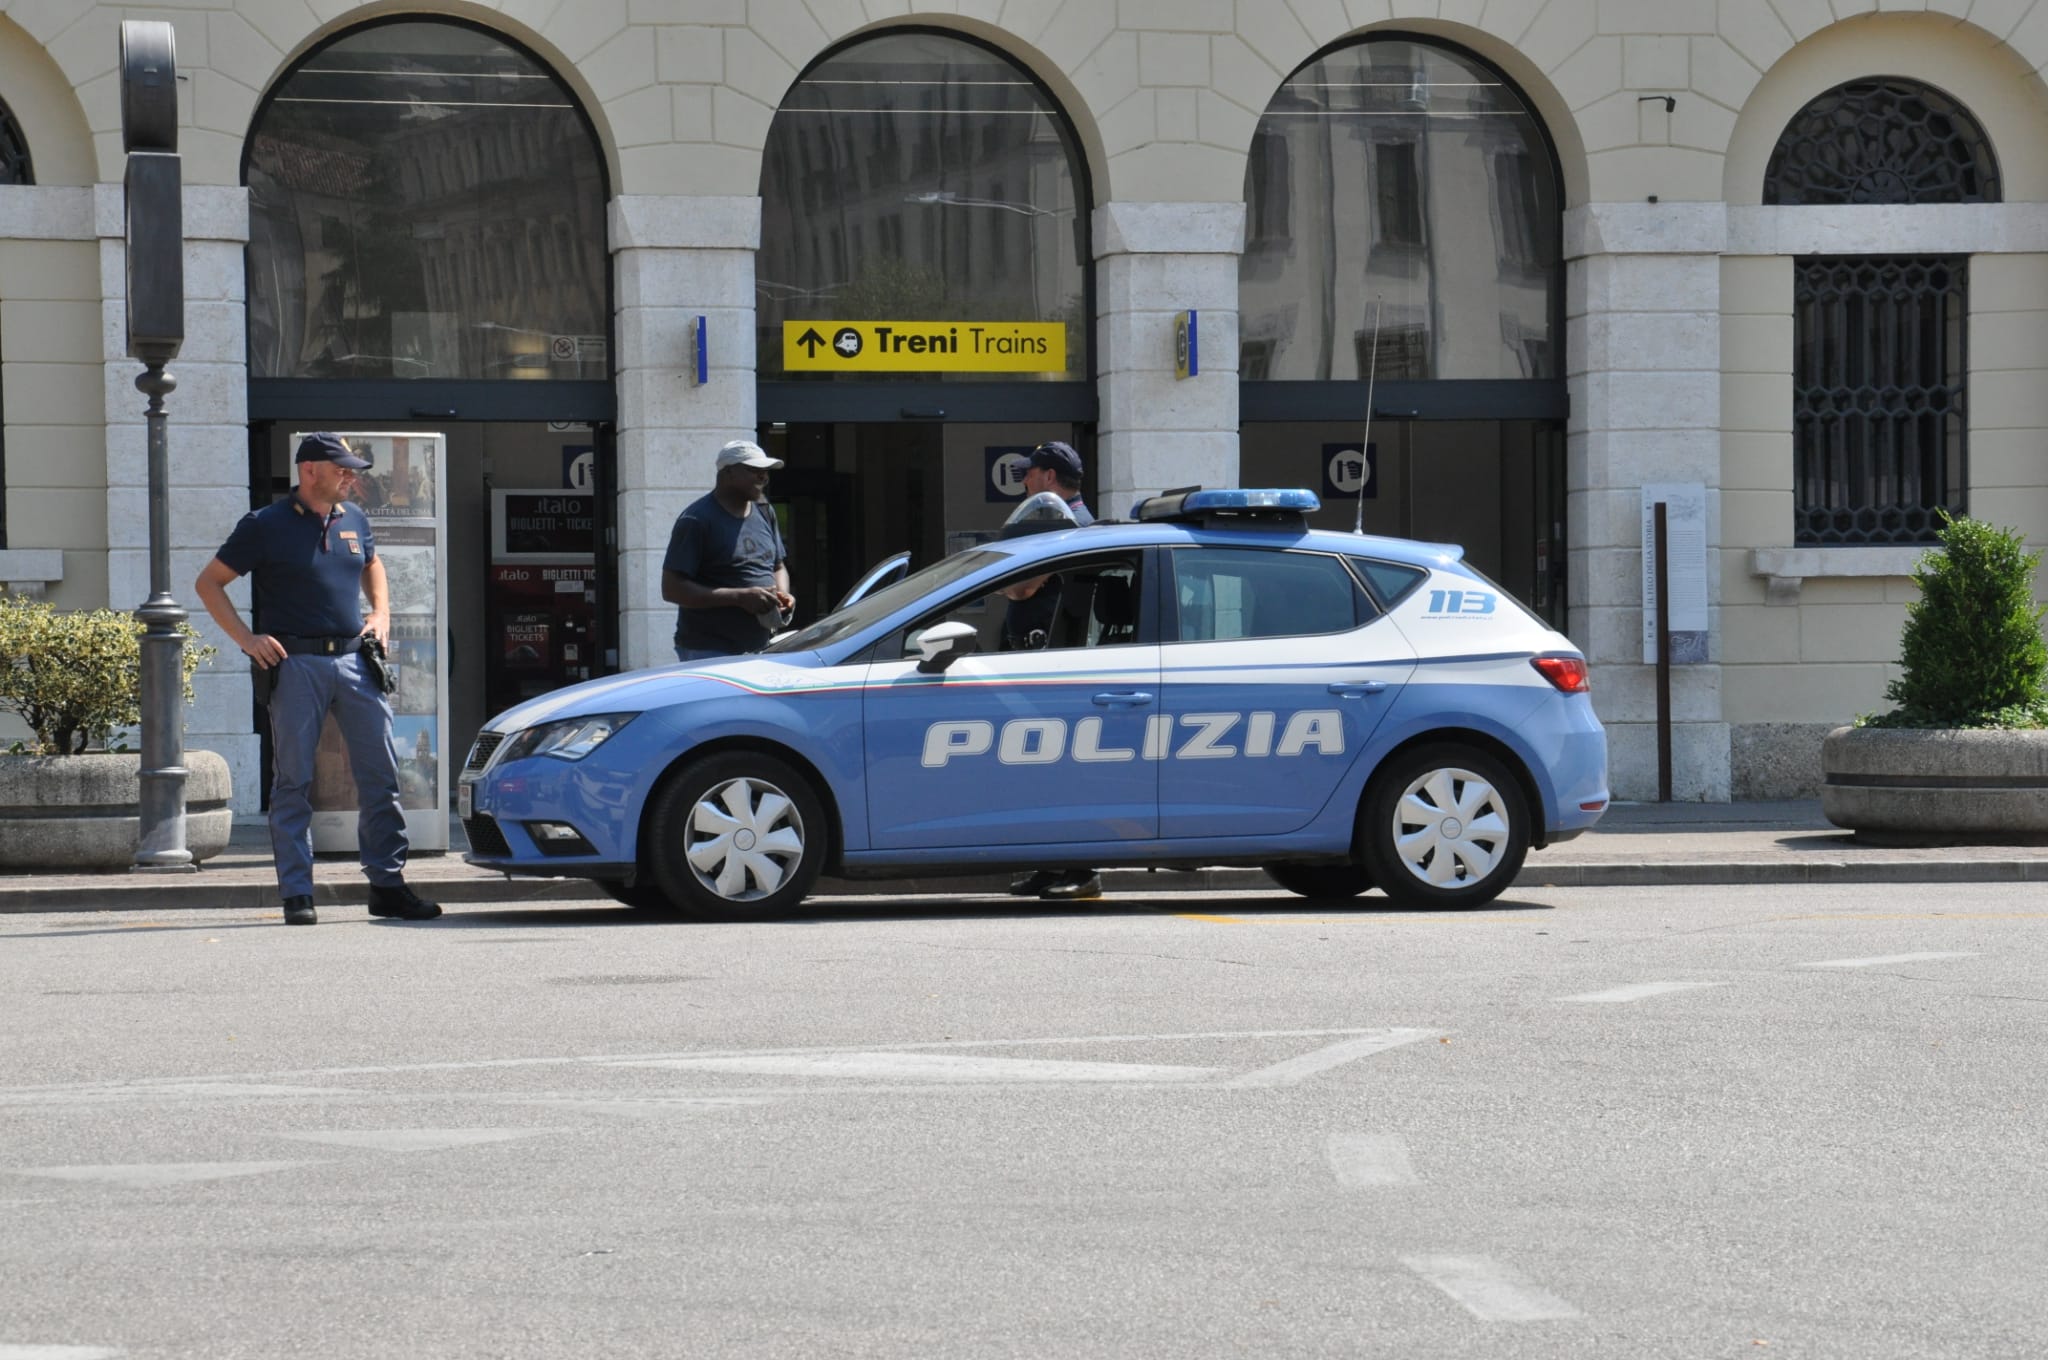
<point x="308" y="687"/>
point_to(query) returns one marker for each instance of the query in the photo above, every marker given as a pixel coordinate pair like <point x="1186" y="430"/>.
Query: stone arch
<point x="1996" y="84"/>
<point x="45" y="108"/>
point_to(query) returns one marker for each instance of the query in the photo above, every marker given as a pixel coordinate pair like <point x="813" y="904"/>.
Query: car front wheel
<point x="739" y="837"/>
<point x="1446" y="827"/>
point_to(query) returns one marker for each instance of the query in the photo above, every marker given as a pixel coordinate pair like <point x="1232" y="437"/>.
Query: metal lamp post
<point x="156" y="330"/>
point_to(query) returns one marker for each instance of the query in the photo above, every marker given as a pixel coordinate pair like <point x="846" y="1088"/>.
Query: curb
<point x="193" y="892"/>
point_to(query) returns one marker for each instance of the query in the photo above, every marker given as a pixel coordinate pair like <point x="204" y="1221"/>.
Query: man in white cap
<point x="726" y="571"/>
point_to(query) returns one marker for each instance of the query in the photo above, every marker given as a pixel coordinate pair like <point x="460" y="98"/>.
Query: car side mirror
<point x="944" y="643"/>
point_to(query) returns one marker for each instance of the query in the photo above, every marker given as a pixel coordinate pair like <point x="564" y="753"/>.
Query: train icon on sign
<point x="1349" y="471"/>
<point x="1007" y="465"/>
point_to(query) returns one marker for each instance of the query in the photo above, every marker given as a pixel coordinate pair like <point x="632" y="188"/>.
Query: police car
<point x="1209" y="683"/>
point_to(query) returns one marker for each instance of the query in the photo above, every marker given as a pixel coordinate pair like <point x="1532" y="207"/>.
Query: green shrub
<point x="74" y="677"/>
<point x="1971" y="653"/>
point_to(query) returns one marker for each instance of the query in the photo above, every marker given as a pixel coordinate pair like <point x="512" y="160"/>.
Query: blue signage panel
<point x="1346" y="470"/>
<point x="1006" y="465"/>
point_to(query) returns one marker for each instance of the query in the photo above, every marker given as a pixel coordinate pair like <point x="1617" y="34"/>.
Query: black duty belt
<point x="319" y="646"/>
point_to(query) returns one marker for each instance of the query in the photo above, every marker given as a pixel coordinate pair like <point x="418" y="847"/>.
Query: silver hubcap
<point x="1450" y="828"/>
<point x="745" y="839"/>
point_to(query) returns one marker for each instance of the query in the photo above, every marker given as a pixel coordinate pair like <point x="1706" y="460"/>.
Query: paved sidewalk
<point x="1636" y="843"/>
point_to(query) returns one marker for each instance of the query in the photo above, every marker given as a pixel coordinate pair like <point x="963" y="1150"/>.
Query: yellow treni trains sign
<point x="925" y="346"/>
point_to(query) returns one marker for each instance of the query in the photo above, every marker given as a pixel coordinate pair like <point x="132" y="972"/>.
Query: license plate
<point x="465" y="801"/>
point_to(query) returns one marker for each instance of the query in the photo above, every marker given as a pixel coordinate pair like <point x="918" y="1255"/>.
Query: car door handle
<point x="1123" y="699"/>
<point x="1356" y="689"/>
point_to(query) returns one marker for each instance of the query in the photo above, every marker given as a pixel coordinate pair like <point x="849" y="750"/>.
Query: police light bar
<point x="1194" y="503"/>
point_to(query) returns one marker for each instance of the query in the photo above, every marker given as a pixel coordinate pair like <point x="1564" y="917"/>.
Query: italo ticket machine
<point x="541" y="605"/>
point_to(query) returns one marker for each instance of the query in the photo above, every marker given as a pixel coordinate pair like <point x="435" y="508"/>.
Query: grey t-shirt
<point x="715" y="549"/>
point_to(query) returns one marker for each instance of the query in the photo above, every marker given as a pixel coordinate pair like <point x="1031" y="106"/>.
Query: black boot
<point x="1033" y="883"/>
<point x="298" y="911"/>
<point x="1073" y="885"/>
<point x="401" y="901"/>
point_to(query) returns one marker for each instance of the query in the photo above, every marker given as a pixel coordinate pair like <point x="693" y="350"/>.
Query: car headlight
<point x="570" y="739"/>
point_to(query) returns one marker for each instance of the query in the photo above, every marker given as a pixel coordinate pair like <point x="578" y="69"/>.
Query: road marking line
<point x="15" y="1095"/>
<point x="1367" y="1160"/>
<point x="1490" y="1291"/>
<point x="938" y="1067"/>
<point x="1297" y="1070"/>
<point x="22" y="1352"/>
<point x="1638" y="991"/>
<point x="1882" y="959"/>
<point x="145" y="1175"/>
<point x="413" y="1140"/>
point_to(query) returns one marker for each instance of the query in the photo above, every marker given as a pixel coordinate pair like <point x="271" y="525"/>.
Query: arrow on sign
<point x="810" y="340"/>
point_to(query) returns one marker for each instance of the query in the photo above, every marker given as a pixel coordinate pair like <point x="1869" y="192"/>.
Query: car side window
<point x="1392" y="580"/>
<point x="1221" y="594"/>
<point x="1071" y="602"/>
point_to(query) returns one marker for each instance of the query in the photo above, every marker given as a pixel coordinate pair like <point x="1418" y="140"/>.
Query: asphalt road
<point x="1793" y="1121"/>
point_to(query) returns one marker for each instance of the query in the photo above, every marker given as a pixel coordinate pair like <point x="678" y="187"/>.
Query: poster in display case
<point x="402" y="492"/>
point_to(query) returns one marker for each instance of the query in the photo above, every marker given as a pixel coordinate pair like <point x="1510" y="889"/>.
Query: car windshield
<point x="884" y="602"/>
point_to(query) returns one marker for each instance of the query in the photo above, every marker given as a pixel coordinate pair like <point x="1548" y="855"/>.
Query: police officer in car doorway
<point x="1054" y="466"/>
<point x="313" y="555"/>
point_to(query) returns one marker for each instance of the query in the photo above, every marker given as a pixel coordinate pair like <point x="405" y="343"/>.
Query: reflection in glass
<point x="425" y="201"/>
<point x="917" y="176"/>
<point x="1401" y="174"/>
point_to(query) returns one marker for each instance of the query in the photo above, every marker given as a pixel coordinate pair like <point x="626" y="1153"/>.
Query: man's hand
<point x="265" y="650"/>
<point x="759" y="599"/>
<point x="378" y="624"/>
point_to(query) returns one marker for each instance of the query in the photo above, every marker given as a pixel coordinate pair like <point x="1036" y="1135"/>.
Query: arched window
<point x="1884" y="139"/>
<point x="1879" y="426"/>
<point x="1395" y="176"/>
<point x="377" y="153"/>
<point x="920" y="176"/>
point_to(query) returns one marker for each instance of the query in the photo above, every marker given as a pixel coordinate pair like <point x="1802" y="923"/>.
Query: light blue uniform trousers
<point x="307" y="688"/>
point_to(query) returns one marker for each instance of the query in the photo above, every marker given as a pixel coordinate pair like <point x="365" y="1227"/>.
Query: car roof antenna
<point x="1372" y="370"/>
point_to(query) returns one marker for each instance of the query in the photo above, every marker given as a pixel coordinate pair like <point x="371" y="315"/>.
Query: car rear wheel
<point x="739" y="837"/>
<point x="639" y="896"/>
<point x="1446" y="827"/>
<point x="1321" y="880"/>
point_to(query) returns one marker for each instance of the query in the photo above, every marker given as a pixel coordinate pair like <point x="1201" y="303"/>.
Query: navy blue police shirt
<point x="308" y="567"/>
<point x="716" y="550"/>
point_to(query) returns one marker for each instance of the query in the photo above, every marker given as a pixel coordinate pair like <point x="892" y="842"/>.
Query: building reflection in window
<point x="920" y="176"/>
<point x="1414" y="177"/>
<point x="425" y="201"/>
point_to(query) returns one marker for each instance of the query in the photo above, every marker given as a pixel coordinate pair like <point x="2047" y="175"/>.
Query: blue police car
<point x="1209" y="683"/>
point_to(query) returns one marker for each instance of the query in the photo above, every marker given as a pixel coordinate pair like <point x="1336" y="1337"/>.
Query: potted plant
<point x="1964" y="756"/>
<point x="67" y="802"/>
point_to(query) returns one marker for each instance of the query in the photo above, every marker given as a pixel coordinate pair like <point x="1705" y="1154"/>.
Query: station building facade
<point x="1495" y="272"/>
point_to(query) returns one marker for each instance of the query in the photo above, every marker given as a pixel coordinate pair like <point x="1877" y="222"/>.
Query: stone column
<point x="1153" y="260"/>
<point x="676" y="258"/>
<point x="208" y="429"/>
<point x="1644" y="365"/>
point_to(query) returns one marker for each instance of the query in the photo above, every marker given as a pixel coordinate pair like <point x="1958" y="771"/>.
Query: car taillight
<point x="1568" y="673"/>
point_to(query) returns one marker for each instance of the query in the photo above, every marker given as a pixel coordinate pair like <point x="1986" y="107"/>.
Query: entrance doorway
<point x="1496" y="488"/>
<point x="853" y="492"/>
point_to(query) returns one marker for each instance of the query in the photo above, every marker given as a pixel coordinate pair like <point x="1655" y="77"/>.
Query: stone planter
<point x="1937" y="786"/>
<point x="80" y="812"/>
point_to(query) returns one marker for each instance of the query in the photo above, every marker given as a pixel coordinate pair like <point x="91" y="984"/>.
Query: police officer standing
<point x="313" y="554"/>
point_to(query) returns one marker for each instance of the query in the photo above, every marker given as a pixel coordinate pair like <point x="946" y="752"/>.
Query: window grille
<point x="1878" y="389"/>
<point x="1882" y="140"/>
